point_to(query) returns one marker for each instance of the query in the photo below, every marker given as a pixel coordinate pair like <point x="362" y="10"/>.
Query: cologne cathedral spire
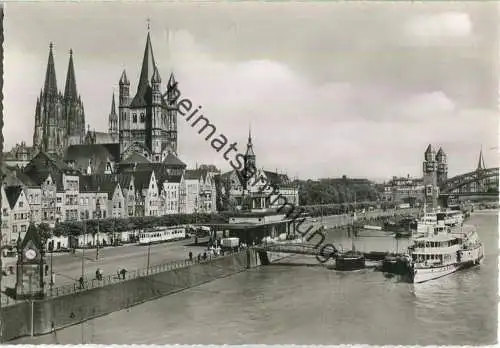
<point x="50" y="87"/>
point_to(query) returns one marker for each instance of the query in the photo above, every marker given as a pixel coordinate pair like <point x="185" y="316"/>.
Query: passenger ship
<point x="443" y="252"/>
<point x="429" y="220"/>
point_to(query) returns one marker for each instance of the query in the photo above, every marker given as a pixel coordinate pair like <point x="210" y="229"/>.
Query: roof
<point x="143" y="95"/>
<point x="429" y="149"/>
<point x="99" y="183"/>
<point x="13" y="193"/>
<point x="15" y="177"/>
<point x="43" y="165"/>
<point x="173" y="160"/>
<point x="142" y="179"/>
<point x="277" y="179"/>
<point x="97" y="154"/>
<point x="135" y="158"/>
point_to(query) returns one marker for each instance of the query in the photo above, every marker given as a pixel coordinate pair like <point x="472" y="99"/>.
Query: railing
<point x="110" y="279"/>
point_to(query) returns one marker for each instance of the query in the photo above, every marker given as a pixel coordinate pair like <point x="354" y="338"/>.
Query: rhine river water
<point x="311" y="304"/>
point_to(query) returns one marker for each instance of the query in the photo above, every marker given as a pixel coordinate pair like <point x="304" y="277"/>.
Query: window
<point x="134" y="118"/>
<point x="21" y="204"/>
<point x="142" y="117"/>
<point x="124" y="116"/>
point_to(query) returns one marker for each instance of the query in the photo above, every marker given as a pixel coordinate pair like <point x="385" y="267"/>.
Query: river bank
<point x="31" y="318"/>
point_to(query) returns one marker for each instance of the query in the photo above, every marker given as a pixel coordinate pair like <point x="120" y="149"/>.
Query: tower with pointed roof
<point x="74" y="113"/>
<point x="113" y="119"/>
<point x="480" y="162"/>
<point x="148" y="121"/>
<point x="249" y="158"/>
<point x="59" y="119"/>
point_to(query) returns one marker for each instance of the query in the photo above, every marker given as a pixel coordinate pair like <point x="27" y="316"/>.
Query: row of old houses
<point x="49" y="190"/>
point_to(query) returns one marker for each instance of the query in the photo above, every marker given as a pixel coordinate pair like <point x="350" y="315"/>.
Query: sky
<point x="329" y="89"/>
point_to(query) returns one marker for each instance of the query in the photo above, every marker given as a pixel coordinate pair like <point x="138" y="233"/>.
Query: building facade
<point x="256" y="189"/>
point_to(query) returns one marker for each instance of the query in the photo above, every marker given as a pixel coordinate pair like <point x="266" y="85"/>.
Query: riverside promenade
<point x="68" y="267"/>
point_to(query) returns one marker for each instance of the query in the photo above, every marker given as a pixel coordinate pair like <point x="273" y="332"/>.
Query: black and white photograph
<point x="255" y="172"/>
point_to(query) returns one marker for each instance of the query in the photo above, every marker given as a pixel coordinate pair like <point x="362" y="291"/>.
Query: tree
<point x="44" y="231"/>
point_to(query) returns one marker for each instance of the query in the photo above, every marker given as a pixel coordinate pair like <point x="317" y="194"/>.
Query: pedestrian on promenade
<point x="97" y="274"/>
<point x="123" y="272"/>
<point x="190" y="256"/>
<point x="100" y="274"/>
<point x="81" y="282"/>
<point x="204" y="256"/>
<point x="46" y="270"/>
<point x="52" y="278"/>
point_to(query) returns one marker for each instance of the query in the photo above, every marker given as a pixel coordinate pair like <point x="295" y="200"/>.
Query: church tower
<point x="480" y="163"/>
<point x="250" y="167"/>
<point x="73" y="108"/>
<point x="59" y="120"/>
<point x="123" y="103"/>
<point x="49" y="129"/>
<point x="430" y="176"/>
<point x="442" y="167"/>
<point x="148" y="121"/>
<point x="113" y="119"/>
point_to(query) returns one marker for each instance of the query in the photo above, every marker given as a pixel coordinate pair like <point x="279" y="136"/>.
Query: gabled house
<point x="15" y="177"/>
<point x="190" y="191"/>
<point x="93" y="201"/>
<point x="6" y="223"/>
<point x="147" y="193"/>
<point x="19" y="212"/>
<point x="169" y="194"/>
<point x="46" y="170"/>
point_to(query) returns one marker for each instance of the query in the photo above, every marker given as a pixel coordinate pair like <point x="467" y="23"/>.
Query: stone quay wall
<point x="42" y="316"/>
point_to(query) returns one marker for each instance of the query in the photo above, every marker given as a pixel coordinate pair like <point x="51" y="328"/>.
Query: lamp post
<point x="149" y="256"/>
<point x="51" y="266"/>
<point x="98" y="213"/>
<point x="83" y="247"/>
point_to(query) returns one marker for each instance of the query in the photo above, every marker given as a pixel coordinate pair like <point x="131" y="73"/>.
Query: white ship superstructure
<point x="444" y="251"/>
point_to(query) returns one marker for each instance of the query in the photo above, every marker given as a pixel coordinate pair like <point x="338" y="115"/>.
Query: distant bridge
<point x="481" y="182"/>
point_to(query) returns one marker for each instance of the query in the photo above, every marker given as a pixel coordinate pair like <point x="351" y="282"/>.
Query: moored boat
<point x="444" y="251"/>
<point x="350" y="261"/>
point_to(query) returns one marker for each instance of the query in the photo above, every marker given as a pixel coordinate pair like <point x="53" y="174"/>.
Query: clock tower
<point x="29" y="282"/>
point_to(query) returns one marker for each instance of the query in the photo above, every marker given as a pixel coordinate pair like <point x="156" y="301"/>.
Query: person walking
<point x="190" y="256"/>
<point x="81" y="282"/>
